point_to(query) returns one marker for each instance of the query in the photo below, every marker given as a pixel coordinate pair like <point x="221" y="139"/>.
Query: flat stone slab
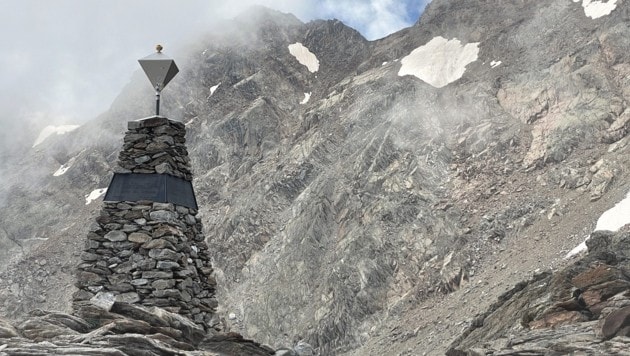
<point x="160" y="188"/>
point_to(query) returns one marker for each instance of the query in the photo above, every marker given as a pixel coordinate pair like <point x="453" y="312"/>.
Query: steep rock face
<point x="328" y="216"/>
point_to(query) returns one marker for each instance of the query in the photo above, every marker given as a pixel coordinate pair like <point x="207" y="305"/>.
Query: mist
<point x="64" y="62"/>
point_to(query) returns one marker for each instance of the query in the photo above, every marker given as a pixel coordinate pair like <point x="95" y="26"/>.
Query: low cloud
<point x="375" y="18"/>
<point x="64" y="62"/>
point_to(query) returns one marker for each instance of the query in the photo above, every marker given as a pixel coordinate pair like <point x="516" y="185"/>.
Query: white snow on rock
<point x="616" y="217"/>
<point x="596" y="8"/>
<point x="214" y="88"/>
<point x="49" y="130"/>
<point x="440" y="61"/>
<point x="191" y="121"/>
<point x="96" y="193"/>
<point x="577" y="250"/>
<point x="307" y="96"/>
<point x="495" y="64"/>
<point x="612" y="219"/>
<point x="62" y="170"/>
<point x="304" y="56"/>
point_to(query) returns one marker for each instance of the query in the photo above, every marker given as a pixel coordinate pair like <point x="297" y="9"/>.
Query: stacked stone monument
<point x="150" y="251"/>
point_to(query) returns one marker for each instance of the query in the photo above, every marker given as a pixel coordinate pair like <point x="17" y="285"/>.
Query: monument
<point x="147" y="245"/>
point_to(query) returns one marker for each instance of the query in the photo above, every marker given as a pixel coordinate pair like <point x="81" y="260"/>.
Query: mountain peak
<point x="258" y="15"/>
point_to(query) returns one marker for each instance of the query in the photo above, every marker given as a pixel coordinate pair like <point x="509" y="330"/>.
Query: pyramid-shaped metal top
<point x="159" y="68"/>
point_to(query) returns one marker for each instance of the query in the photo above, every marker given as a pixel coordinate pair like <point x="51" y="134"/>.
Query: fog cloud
<point x="64" y="61"/>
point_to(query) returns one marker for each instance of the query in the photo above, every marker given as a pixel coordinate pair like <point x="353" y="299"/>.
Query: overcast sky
<point x="64" y="61"/>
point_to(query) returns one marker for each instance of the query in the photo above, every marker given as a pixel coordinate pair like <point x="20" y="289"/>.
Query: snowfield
<point x="616" y="217"/>
<point x="50" y="130"/>
<point x="596" y="9"/>
<point x="612" y="219"/>
<point x="440" y="61"/>
<point x="304" y="56"/>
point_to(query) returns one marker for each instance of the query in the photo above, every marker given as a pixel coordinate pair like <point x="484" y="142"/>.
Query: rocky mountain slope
<point x="582" y="308"/>
<point x="367" y="196"/>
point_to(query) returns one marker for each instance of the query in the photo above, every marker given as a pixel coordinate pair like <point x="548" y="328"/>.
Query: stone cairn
<point x="150" y="253"/>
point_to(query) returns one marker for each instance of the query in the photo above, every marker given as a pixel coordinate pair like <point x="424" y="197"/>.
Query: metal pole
<point x="157" y="103"/>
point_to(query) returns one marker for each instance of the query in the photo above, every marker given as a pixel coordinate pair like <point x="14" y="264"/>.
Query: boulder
<point x="126" y="329"/>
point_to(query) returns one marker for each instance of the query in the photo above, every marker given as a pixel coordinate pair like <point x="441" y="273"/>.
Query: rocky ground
<point x="580" y="308"/>
<point x="428" y="325"/>
<point x="108" y="328"/>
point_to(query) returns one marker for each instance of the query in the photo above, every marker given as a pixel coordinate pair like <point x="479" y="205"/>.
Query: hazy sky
<point x="64" y="61"/>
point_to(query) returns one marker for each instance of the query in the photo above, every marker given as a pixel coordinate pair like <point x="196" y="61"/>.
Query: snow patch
<point x="384" y="63"/>
<point x="440" y="61"/>
<point x="616" y="217"/>
<point x="612" y="219"/>
<point x="307" y="96"/>
<point x="304" y="56"/>
<point x="62" y="170"/>
<point x="95" y="194"/>
<point x="495" y="64"/>
<point x="214" y="88"/>
<point x="596" y="9"/>
<point x="50" y="130"/>
<point x="577" y="250"/>
<point x="191" y="121"/>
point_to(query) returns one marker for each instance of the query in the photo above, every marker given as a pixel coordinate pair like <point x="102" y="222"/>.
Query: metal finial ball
<point x="159" y="48"/>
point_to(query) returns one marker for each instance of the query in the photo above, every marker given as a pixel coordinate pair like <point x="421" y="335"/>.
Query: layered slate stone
<point x="110" y="328"/>
<point x="155" y="145"/>
<point x="148" y="252"/>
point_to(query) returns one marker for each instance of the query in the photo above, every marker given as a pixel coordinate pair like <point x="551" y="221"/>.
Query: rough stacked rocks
<point x="155" y="145"/>
<point x="145" y="252"/>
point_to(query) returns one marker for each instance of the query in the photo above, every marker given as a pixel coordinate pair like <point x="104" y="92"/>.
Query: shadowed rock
<point x="126" y="329"/>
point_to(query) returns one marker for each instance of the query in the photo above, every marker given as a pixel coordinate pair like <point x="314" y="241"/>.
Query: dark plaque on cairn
<point x="160" y="188"/>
